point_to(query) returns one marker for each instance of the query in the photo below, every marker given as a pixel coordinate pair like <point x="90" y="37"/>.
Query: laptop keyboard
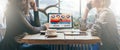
<point x="68" y="30"/>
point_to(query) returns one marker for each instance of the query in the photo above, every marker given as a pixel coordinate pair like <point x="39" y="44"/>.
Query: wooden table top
<point x="60" y="39"/>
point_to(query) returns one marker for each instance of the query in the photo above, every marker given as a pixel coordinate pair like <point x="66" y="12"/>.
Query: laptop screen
<point x="60" y="20"/>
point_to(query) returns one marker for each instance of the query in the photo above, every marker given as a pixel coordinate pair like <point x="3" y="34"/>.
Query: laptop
<point x="62" y="23"/>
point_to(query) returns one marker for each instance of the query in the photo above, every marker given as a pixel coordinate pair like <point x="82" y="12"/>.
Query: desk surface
<point x="60" y="39"/>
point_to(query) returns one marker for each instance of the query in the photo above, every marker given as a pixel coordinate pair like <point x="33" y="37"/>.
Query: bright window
<point x="3" y="4"/>
<point x="65" y="6"/>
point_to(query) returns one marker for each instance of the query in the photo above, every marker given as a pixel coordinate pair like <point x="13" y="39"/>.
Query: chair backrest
<point x="2" y="31"/>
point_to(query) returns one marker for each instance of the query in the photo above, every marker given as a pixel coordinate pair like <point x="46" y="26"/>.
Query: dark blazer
<point x="17" y="24"/>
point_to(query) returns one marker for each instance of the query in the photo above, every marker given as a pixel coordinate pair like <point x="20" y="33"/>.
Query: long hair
<point x="25" y="6"/>
<point x="16" y="5"/>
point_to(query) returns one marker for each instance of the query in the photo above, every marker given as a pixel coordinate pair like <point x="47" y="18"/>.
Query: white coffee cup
<point x="51" y="32"/>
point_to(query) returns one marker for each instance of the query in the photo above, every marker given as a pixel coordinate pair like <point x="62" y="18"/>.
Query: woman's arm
<point x="83" y="24"/>
<point x="28" y="26"/>
<point x="85" y="14"/>
<point x="87" y="9"/>
<point x="36" y="13"/>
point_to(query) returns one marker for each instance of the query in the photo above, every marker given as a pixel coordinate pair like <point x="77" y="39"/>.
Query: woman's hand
<point x="33" y="5"/>
<point x="46" y="25"/>
<point x="89" y="5"/>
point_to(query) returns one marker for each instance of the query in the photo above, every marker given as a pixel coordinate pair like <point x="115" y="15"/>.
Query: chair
<point x="2" y="32"/>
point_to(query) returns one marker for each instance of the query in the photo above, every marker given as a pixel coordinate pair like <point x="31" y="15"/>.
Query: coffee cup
<point x="51" y="32"/>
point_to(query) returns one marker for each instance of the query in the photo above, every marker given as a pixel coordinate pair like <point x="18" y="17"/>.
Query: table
<point x="75" y="41"/>
<point x="60" y="39"/>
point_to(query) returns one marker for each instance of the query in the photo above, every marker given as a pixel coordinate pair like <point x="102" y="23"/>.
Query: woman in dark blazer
<point x="17" y="24"/>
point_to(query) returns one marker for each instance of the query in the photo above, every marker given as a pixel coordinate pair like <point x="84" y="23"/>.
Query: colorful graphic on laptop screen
<point x="60" y="20"/>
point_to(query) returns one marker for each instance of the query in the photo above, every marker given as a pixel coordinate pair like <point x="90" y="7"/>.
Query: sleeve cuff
<point x="43" y="27"/>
